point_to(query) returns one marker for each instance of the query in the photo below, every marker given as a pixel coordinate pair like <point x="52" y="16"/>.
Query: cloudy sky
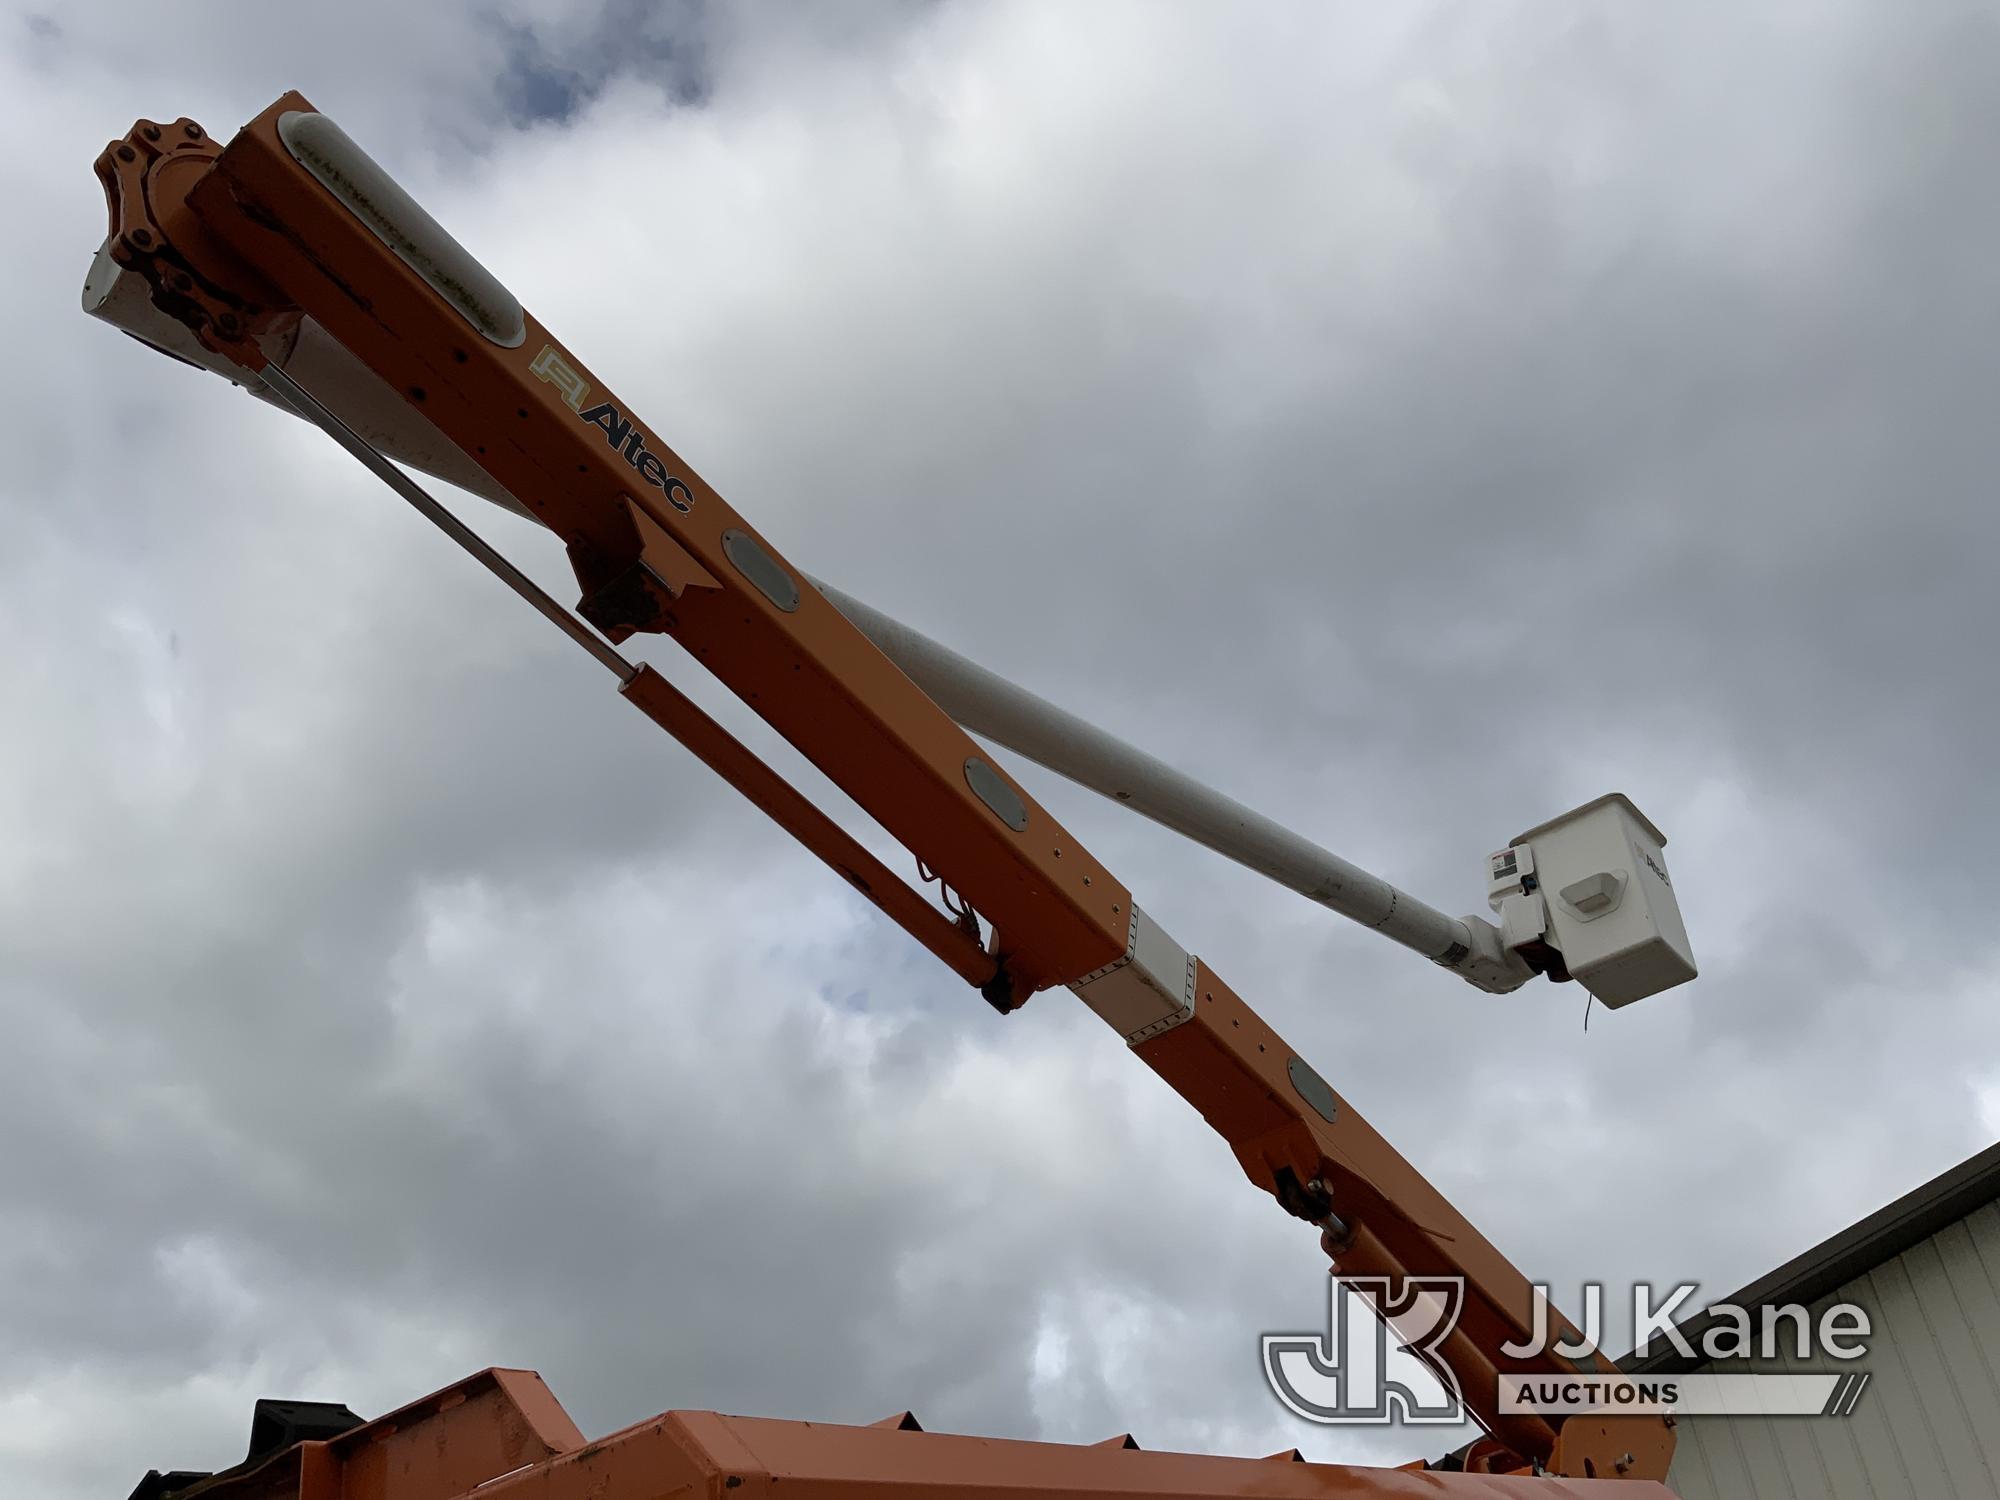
<point x="1416" y="424"/>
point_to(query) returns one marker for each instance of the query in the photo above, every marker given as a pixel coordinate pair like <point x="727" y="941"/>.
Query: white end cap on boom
<point x="1593" y="885"/>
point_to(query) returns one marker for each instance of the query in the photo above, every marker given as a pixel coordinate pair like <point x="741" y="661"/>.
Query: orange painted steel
<point x="1234" y="1068"/>
<point x="732" y="760"/>
<point x="244" y="242"/>
<point x="812" y="675"/>
<point x="444" y="1448"/>
<point x="452" y="1441"/>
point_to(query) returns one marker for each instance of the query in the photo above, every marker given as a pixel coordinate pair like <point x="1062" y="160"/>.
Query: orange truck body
<point x="502" y="1436"/>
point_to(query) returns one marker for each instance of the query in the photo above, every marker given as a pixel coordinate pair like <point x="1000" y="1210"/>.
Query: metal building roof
<point x="1853" y="1252"/>
<point x="1928" y="1263"/>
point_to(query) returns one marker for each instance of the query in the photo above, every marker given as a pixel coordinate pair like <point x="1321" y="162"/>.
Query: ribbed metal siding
<point x="1928" y="1426"/>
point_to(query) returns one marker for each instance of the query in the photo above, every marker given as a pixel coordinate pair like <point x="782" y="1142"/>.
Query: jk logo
<point x="1349" y="1374"/>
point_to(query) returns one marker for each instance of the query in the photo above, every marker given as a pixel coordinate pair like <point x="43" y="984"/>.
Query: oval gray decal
<point x="762" y="569"/>
<point x="1312" y="1088"/>
<point x="990" y="787"/>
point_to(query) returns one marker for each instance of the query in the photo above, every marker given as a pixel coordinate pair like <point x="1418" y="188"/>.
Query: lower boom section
<point x="1382" y="1222"/>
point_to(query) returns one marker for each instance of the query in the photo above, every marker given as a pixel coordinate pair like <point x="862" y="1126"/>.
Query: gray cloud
<point x="1414" y="425"/>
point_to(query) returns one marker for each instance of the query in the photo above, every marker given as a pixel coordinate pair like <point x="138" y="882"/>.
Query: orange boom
<point x="292" y="263"/>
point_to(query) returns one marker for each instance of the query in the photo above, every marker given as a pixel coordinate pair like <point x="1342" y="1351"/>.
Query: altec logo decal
<point x="620" y="431"/>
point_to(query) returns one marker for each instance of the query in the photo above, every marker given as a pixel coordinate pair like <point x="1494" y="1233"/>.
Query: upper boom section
<point x="653" y="545"/>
